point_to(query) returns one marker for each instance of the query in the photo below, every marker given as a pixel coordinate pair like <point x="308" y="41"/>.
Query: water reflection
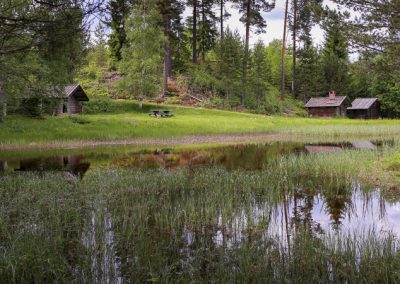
<point x="74" y="165"/>
<point x="106" y="265"/>
<point x="356" y="214"/>
<point x="249" y="157"/>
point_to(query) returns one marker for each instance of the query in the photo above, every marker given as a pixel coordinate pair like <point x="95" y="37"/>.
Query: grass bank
<point x="126" y="121"/>
<point x="203" y="225"/>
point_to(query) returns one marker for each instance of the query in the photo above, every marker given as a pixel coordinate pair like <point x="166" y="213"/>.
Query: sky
<point x="274" y="21"/>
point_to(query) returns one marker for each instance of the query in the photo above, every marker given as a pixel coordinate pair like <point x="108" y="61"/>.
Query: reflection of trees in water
<point x="73" y="164"/>
<point x="337" y="204"/>
<point x="3" y="166"/>
<point x="251" y="157"/>
<point x="302" y="216"/>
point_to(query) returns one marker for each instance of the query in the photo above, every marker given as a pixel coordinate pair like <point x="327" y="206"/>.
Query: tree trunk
<point x="294" y="95"/>
<point x="203" y="48"/>
<point x="167" y="55"/>
<point x="167" y="67"/>
<point x="194" y="32"/>
<point x="3" y="101"/>
<point x="283" y="52"/>
<point x="246" y="50"/>
<point x="222" y="19"/>
<point x="140" y="103"/>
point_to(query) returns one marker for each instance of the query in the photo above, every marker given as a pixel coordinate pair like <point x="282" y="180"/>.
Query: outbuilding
<point x="72" y="98"/>
<point x="329" y="106"/>
<point x="364" y="108"/>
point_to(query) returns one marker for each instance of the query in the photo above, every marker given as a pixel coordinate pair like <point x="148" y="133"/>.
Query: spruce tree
<point x="231" y="61"/>
<point x="118" y="11"/>
<point x="259" y="73"/>
<point x="334" y="58"/>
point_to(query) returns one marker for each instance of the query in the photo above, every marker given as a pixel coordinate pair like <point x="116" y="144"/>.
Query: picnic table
<point x="160" y="113"/>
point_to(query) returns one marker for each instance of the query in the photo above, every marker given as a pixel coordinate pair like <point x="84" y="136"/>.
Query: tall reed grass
<point x="189" y="225"/>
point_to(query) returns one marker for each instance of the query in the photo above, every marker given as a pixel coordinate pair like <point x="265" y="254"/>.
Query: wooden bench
<point x="160" y="113"/>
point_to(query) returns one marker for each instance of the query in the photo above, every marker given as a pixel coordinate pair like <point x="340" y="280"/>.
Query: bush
<point x="173" y="101"/>
<point x="202" y="80"/>
<point x="38" y="106"/>
<point x="99" y="105"/>
<point x="272" y="102"/>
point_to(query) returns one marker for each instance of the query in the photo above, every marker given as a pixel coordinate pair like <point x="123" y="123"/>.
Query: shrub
<point x="99" y="105"/>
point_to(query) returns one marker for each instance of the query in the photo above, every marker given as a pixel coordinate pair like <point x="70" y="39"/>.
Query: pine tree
<point x="119" y="11"/>
<point x="193" y="22"/>
<point x="207" y="27"/>
<point x="171" y="16"/>
<point x="251" y="17"/>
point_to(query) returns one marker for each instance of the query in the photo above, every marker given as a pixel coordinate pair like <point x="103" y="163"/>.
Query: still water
<point x="128" y="231"/>
<point x="244" y="156"/>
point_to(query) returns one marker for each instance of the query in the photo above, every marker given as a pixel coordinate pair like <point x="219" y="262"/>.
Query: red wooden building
<point x="329" y="106"/>
<point x="364" y="108"/>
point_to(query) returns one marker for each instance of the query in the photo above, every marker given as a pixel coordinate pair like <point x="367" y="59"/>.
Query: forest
<point x="158" y="49"/>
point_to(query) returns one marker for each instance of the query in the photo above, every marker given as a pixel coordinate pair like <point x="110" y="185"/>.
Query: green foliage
<point x="393" y="163"/>
<point x="187" y="121"/>
<point x="334" y="58"/>
<point x="118" y="10"/>
<point x="99" y="105"/>
<point x="202" y="80"/>
<point x="142" y="57"/>
<point x="37" y="106"/>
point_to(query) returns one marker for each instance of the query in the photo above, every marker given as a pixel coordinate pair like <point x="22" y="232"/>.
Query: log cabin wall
<point x="74" y="106"/>
<point x="323" y="111"/>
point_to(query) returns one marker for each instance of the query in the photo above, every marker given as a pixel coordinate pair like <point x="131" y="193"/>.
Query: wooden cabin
<point x="330" y="106"/>
<point x="71" y="101"/>
<point x="364" y="108"/>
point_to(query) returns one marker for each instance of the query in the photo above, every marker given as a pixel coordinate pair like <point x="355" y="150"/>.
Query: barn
<point x="72" y="98"/>
<point x="364" y="108"/>
<point x="329" y="106"/>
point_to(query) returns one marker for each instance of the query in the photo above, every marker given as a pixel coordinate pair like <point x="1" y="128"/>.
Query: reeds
<point x="190" y="225"/>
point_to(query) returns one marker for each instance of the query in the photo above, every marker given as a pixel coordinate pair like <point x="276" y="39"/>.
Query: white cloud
<point x="274" y="21"/>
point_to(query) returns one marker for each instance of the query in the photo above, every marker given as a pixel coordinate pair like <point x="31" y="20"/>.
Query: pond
<point x="242" y="156"/>
<point x="272" y="212"/>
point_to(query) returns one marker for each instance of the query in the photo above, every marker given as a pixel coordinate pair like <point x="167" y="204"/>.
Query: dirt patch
<point x="186" y="140"/>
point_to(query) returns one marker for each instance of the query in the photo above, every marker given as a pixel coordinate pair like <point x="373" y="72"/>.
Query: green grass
<point x="127" y="122"/>
<point x="53" y="227"/>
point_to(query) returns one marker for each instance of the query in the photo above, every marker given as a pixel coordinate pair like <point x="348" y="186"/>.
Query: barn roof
<point x="362" y="103"/>
<point x="325" y="102"/>
<point x="76" y="91"/>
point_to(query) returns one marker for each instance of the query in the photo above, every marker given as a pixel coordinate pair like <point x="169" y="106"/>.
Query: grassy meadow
<point x="278" y="223"/>
<point x="202" y="225"/>
<point x="126" y="121"/>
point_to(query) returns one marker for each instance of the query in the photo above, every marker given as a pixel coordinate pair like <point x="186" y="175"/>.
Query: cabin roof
<point x="76" y="91"/>
<point x="326" y="102"/>
<point x="362" y="103"/>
